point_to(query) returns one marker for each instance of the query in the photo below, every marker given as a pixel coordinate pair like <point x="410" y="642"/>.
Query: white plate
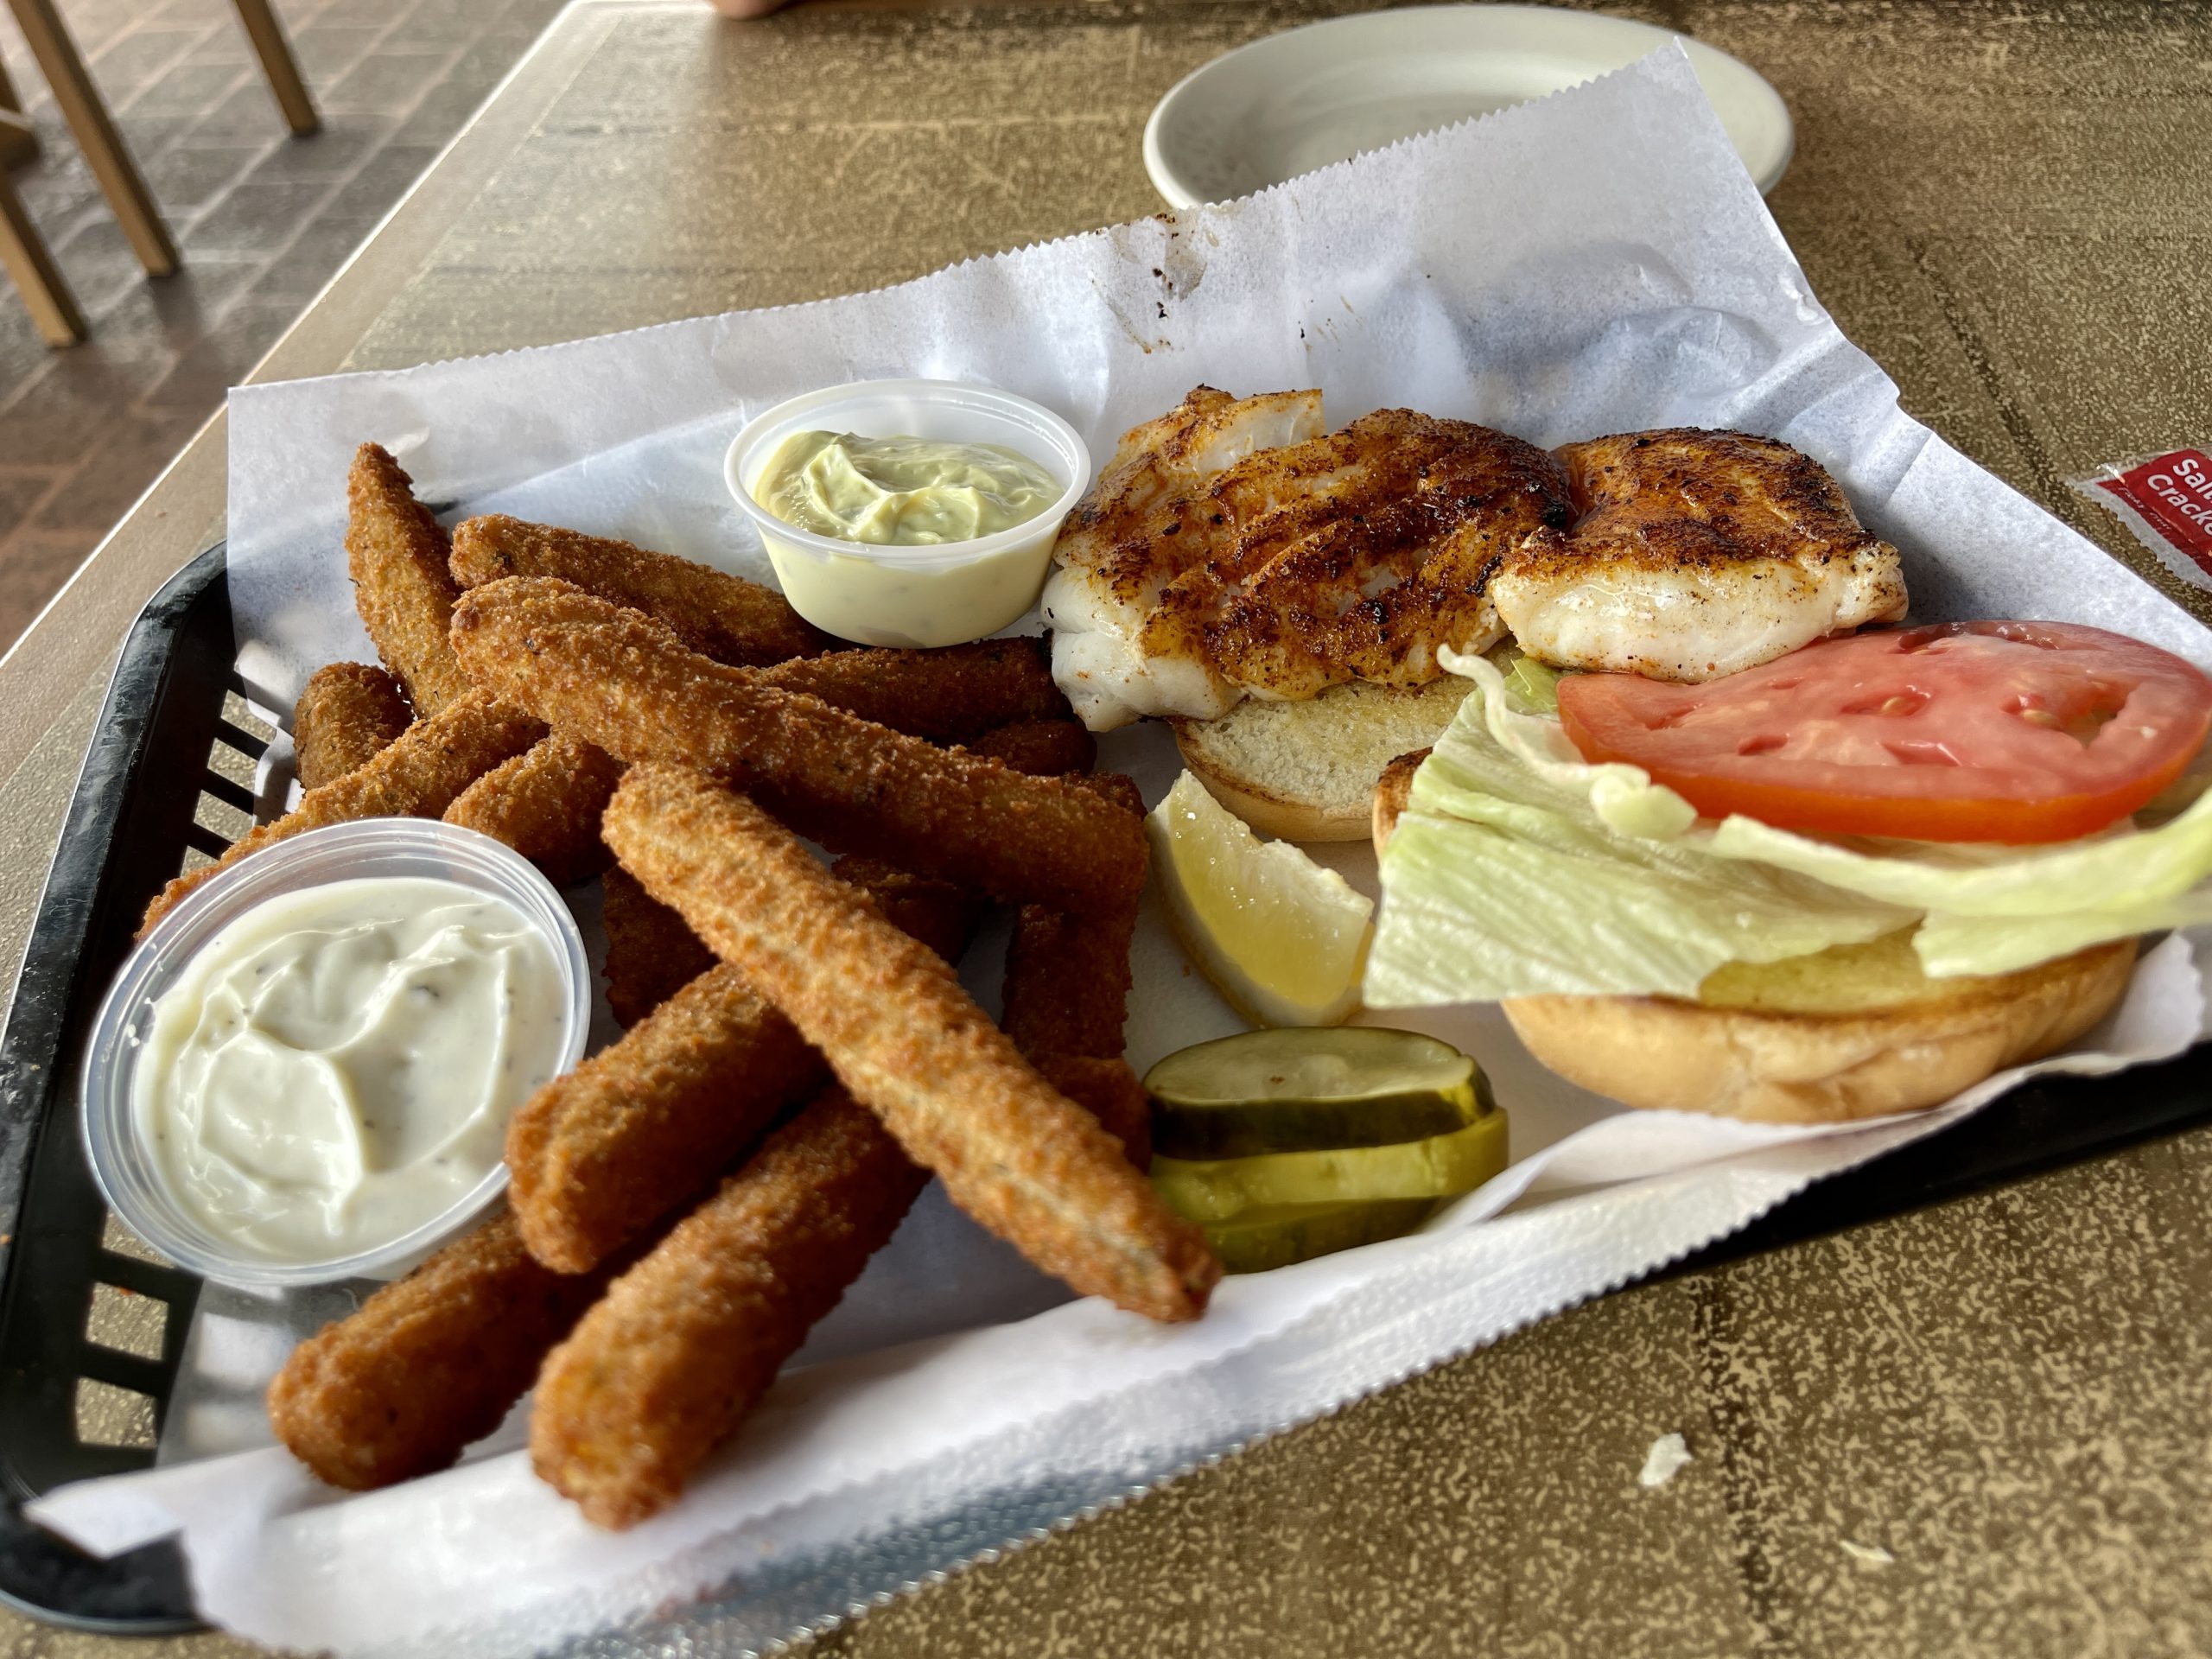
<point x="1313" y="96"/>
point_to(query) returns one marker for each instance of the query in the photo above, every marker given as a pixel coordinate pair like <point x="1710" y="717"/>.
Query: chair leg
<point x="18" y="144"/>
<point x="103" y="145"/>
<point x="276" y="62"/>
<point x="23" y="251"/>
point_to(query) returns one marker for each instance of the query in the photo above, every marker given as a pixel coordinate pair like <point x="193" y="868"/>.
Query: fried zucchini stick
<point x="1067" y="976"/>
<point x="666" y="1366"/>
<point x="1112" y="1092"/>
<point x="909" y="1043"/>
<point x="428" y="1363"/>
<point x="682" y="1346"/>
<point x="727" y="617"/>
<point x="651" y="953"/>
<point x="600" y="1153"/>
<point x="546" y="804"/>
<point x="954" y="694"/>
<point x="345" y="717"/>
<point x="1066" y="999"/>
<point x="617" y="678"/>
<point x="396" y="555"/>
<point x="1045" y="748"/>
<point x="417" y="777"/>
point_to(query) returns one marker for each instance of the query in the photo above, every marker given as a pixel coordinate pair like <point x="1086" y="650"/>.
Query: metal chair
<point x="18" y="144"/>
<point x="37" y="279"/>
<point x="24" y="252"/>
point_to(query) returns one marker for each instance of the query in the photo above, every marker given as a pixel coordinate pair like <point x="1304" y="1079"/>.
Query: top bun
<point x="1307" y="771"/>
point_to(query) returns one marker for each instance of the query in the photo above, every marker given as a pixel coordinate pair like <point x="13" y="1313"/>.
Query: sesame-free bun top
<point x="1307" y="771"/>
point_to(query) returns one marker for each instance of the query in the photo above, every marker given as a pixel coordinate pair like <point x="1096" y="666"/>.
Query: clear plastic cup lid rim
<point x="1068" y="456"/>
<point x="367" y="848"/>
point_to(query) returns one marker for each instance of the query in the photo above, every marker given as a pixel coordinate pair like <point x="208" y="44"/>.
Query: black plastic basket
<point x="141" y="803"/>
<point x="135" y="811"/>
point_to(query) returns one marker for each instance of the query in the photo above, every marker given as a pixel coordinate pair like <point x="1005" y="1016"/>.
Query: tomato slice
<point x="2016" y="732"/>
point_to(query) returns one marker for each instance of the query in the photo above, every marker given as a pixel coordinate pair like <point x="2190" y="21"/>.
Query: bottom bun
<point x="1663" y="1053"/>
<point x="1855" y="1031"/>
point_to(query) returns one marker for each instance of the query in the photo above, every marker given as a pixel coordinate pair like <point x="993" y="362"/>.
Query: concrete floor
<point x="263" y="219"/>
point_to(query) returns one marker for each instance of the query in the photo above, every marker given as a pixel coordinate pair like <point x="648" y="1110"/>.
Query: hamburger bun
<point x="1853" y="1031"/>
<point x="1307" y="771"/>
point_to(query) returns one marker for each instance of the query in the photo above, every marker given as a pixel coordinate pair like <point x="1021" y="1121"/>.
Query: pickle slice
<point x="1279" y="1235"/>
<point x="1215" y="1189"/>
<point x="1305" y="1089"/>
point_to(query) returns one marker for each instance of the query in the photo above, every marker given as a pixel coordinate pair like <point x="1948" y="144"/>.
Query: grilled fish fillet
<point x="1692" y="554"/>
<point x="1231" y="548"/>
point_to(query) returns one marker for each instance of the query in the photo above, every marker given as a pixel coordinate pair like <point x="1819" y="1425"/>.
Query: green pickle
<point x="1441" y="1166"/>
<point x="1284" y="1234"/>
<point x="1301" y="1089"/>
<point x="1289" y="1144"/>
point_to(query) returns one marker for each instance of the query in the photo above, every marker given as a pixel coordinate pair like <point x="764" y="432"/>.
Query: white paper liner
<point x="1594" y="262"/>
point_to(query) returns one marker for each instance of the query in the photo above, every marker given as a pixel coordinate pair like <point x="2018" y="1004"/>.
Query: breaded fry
<point x="1067" y="983"/>
<point x="617" y="678"/>
<point x="546" y="804"/>
<point x="729" y="619"/>
<point x="942" y="916"/>
<point x="1067" y="976"/>
<point x="908" y="1042"/>
<point x="652" y="953"/>
<point x="1045" y="748"/>
<point x="954" y="694"/>
<point x="417" y="777"/>
<point x="428" y="1363"/>
<point x="1112" y="1092"/>
<point x="346" y="714"/>
<point x="668" y="1364"/>
<point x="396" y="555"/>
<point x="651" y="1120"/>
<point x="1117" y="787"/>
<point x="666" y="1367"/>
<point x="600" y="1155"/>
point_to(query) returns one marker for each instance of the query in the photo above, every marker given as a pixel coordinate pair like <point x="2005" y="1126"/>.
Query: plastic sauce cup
<point x="423" y="848"/>
<point x="912" y="596"/>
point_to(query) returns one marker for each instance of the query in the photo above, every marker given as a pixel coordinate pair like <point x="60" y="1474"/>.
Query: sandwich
<point x="1680" y="788"/>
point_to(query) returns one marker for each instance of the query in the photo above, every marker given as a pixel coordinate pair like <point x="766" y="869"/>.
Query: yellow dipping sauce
<point x="902" y="491"/>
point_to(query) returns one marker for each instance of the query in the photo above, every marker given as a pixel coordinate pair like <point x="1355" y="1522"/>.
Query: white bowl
<point x="1320" y="94"/>
<point x="912" y="596"/>
<point x="373" y="847"/>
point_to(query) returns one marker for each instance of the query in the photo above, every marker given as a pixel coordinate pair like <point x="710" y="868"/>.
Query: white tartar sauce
<point x="336" y="1068"/>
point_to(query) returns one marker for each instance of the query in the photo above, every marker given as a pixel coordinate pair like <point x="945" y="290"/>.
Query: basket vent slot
<point x="108" y="1415"/>
<point x="119" y="1239"/>
<point x="127" y="1321"/>
<point x="225" y="810"/>
<point x="249" y="732"/>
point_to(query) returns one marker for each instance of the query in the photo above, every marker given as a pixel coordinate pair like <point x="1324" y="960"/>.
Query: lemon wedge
<point x="1281" y="937"/>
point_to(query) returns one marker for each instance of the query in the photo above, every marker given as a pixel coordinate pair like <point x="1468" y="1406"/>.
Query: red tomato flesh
<point x="2016" y="732"/>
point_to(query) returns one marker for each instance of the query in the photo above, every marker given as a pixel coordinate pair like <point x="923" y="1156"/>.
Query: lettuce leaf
<point x="1503" y="879"/>
<point x="1528" y="869"/>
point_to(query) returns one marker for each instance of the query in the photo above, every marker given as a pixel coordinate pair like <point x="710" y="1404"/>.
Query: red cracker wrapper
<point x="2166" y="500"/>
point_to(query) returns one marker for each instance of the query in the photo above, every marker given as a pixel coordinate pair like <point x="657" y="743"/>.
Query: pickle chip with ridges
<point x="1301" y="1089"/>
<point x="1441" y="1166"/>
<point x="1280" y="1235"/>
